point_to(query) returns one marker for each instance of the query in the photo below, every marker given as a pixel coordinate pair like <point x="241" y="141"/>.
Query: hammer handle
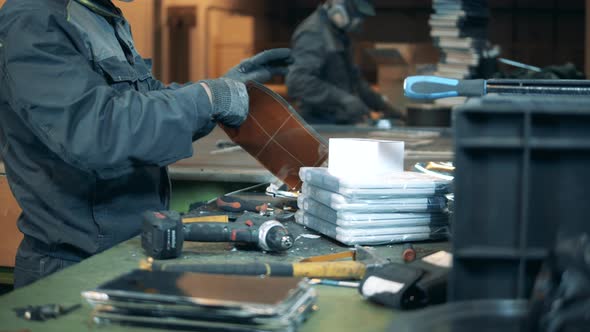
<point x="255" y="269"/>
<point x="334" y="270"/>
<point x="346" y="270"/>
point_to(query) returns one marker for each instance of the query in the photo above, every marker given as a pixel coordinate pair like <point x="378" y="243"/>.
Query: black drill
<point x="163" y="234"/>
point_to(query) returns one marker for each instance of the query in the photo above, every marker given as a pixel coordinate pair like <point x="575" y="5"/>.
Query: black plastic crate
<point x="522" y="180"/>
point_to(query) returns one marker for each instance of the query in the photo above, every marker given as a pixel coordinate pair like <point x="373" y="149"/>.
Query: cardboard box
<point x="396" y="61"/>
<point x="10" y="236"/>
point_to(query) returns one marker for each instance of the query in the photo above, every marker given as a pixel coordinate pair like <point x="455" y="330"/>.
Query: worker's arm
<point x="304" y="82"/>
<point x="89" y="124"/>
<point x="260" y="68"/>
<point x="155" y="84"/>
<point x="375" y="100"/>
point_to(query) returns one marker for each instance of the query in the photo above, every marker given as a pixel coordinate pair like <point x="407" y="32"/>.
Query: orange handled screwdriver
<point x="234" y="204"/>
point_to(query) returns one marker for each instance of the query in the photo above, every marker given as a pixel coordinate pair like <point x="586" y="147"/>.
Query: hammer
<point x="364" y="258"/>
<point x="163" y="234"/>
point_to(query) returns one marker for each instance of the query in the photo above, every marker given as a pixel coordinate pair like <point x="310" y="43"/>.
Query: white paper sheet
<point x="358" y="158"/>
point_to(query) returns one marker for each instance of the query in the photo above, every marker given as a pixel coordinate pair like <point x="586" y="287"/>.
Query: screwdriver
<point x="234" y="204"/>
<point x="435" y="87"/>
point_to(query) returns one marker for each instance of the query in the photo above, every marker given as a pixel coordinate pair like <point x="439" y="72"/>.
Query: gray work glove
<point x="261" y="67"/>
<point x="230" y="101"/>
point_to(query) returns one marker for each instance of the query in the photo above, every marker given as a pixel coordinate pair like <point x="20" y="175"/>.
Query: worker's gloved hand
<point x="354" y="111"/>
<point x="229" y="101"/>
<point x="262" y="67"/>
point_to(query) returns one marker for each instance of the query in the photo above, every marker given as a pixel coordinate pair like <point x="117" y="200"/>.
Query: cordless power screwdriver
<point x="163" y="234"/>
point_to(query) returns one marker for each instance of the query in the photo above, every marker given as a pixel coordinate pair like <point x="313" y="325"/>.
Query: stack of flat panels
<point x="459" y="29"/>
<point x="202" y="302"/>
<point x="399" y="207"/>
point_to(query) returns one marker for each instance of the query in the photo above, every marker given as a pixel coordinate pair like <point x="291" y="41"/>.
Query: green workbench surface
<point x="340" y="309"/>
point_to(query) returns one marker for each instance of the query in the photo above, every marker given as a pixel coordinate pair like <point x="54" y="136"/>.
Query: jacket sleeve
<point x="303" y="80"/>
<point x="155" y="85"/>
<point x="51" y="85"/>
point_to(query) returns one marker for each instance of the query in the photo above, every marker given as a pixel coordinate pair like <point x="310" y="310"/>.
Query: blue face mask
<point x="356" y="24"/>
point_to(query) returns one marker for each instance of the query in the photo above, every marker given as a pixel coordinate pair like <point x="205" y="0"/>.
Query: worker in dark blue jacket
<point x="86" y="132"/>
<point x="326" y="84"/>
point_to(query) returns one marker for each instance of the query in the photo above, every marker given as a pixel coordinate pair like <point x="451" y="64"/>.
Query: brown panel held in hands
<point x="278" y="137"/>
<point x="10" y="236"/>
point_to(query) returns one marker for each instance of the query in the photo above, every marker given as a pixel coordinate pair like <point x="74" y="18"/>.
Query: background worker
<point x="325" y="82"/>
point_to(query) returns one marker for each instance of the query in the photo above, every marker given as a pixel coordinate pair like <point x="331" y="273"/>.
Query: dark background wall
<point x="537" y="32"/>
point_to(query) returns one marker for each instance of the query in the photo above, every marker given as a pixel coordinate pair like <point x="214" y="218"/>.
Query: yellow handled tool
<point x="314" y="267"/>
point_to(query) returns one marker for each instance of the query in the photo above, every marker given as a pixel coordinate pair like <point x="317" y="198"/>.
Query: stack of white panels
<point x="391" y="208"/>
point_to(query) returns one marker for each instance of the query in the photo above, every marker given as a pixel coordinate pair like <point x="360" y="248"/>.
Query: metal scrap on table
<point x="42" y="313"/>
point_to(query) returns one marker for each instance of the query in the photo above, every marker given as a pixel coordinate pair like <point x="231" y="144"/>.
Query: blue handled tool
<point x="435" y="87"/>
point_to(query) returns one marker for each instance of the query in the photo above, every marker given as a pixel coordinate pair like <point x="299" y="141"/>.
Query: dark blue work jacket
<point x="324" y="77"/>
<point x="86" y="132"/>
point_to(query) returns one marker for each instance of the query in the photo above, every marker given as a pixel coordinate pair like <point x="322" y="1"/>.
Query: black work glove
<point x="261" y="67"/>
<point x="354" y="110"/>
<point x="229" y="101"/>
